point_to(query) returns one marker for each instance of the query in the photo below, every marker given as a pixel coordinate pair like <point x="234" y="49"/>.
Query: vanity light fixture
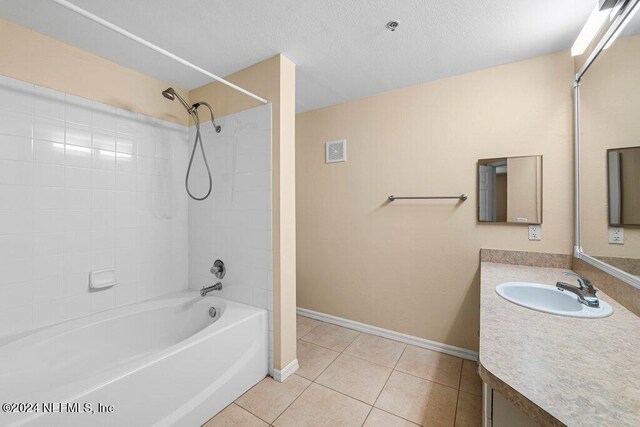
<point x="615" y="10"/>
<point x="620" y="30"/>
<point x="590" y="30"/>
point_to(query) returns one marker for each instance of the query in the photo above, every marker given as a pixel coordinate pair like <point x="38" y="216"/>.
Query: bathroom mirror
<point x="608" y="147"/>
<point x="623" y="173"/>
<point x="510" y="190"/>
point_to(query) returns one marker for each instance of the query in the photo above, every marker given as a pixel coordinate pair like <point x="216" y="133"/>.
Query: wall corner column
<point x="284" y="221"/>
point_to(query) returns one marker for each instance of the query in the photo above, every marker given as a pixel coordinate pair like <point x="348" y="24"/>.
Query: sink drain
<point x="213" y="312"/>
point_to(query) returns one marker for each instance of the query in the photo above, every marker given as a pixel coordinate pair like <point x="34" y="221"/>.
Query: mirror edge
<point x="616" y="26"/>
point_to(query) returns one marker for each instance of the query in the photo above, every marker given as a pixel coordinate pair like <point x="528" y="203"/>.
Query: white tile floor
<point x="348" y="378"/>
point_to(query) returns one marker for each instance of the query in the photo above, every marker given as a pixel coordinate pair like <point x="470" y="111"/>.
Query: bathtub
<point x="161" y="362"/>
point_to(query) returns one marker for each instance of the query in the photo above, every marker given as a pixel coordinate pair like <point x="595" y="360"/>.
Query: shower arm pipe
<point x="153" y="47"/>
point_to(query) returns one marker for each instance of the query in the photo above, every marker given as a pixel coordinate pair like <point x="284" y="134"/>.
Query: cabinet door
<point x="506" y="414"/>
<point x="497" y="411"/>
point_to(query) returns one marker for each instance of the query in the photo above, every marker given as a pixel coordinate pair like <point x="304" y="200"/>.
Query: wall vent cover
<point x="336" y="151"/>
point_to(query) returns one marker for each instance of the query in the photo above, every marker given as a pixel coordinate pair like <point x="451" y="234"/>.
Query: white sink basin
<point x="549" y="299"/>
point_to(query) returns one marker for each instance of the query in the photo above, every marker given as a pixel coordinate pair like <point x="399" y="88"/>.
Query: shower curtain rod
<point x="152" y="46"/>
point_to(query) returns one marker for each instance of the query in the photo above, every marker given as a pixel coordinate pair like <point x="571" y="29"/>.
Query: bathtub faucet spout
<point x="206" y="289"/>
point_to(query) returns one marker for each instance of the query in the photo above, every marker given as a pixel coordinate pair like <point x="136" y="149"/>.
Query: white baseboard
<point x="286" y="372"/>
<point x="386" y="333"/>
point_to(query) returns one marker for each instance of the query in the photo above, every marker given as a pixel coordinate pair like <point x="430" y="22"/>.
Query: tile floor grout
<point x="310" y="381"/>
<point x="386" y="381"/>
<point x="314" y="381"/>
<point x="394" y="368"/>
<point x="342" y="352"/>
<point x="385" y="384"/>
<point x="455" y="414"/>
<point x="294" y="400"/>
<point x="333" y="361"/>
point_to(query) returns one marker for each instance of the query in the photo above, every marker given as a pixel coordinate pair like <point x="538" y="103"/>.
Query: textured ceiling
<point x="341" y="48"/>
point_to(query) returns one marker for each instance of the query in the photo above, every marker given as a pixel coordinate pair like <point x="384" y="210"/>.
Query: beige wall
<point x="274" y="80"/>
<point x="413" y="267"/>
<point x="35" y="58"/>
<point x="610" y="101"/>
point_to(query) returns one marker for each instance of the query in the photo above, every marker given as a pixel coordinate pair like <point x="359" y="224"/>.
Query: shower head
<point x="171" y="94"/>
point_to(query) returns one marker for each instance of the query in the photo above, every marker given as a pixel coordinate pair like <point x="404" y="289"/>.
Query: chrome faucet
<point x="206" y="289"/>
<point x="585" y="291"/>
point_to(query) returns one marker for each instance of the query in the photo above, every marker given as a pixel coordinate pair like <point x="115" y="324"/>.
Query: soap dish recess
<point x="100" y="279"/>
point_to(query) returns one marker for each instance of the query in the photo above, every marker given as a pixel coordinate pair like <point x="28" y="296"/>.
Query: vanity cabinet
<point x="497" y="411"/>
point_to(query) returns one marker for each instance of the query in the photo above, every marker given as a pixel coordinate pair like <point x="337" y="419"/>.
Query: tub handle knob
<point x="218" y="269"/>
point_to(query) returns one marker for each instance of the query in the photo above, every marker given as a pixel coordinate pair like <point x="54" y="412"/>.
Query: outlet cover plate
<point x="535" y="232"/>
<point x="616" y="235"/>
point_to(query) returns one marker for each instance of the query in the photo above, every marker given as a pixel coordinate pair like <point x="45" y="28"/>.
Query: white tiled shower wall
<point x="234" y="224"/>
<point x="85" y="186"/>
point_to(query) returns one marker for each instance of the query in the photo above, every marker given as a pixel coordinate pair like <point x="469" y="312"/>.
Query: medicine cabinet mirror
<point x="510" y="190"/>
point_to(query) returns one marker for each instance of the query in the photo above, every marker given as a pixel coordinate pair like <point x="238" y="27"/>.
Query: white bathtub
<point x="161" y="362"/>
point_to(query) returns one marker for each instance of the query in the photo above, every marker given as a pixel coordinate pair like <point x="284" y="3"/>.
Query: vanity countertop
<point x="559" y="370"/>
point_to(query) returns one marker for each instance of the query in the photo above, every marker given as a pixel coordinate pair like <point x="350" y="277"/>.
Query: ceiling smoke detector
<point x="392" y="25"/>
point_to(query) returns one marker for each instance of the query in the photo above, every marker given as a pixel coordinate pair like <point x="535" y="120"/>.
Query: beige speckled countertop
<point x="578" y="371"/>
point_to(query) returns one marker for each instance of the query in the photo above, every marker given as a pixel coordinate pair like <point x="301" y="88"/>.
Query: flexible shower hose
<point x="196" y="142"/>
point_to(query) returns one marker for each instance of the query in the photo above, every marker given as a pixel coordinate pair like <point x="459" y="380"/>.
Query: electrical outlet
<point x="616" y="236"/>
<point x="535" y="231"/>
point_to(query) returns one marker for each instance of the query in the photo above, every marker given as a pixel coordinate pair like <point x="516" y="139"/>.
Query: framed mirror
<point x="607" y="143"/>
<point x="623" y="175"/>
<point x="510" y="190"/>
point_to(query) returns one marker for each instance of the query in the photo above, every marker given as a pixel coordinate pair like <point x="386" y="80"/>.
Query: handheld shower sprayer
<point x="171" y="95"/>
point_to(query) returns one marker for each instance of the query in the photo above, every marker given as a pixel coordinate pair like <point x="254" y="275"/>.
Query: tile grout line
<point x="371" y="406"/>
<point x="344" y="394"/>
<point x="385" y="383"/>
<point x="243" y="409"/>
<point x="367" y="417"/>
<point x="246" y="409"/>
<point x="396" y="415"/>
<point x="293" y="401"/>
<point x="426" y="379"/>
<point x="343" y="352"/>
<point x="455" y="413"/>
<point x="332" y="362"/>
<point x="309" y="331"/>
<point x="394" y="368"/>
